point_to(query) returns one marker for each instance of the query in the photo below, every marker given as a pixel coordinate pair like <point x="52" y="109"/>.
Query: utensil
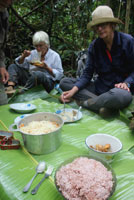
<point x="66" y="116"/>
<point x="78" y="112"/>
<point x="40" y="143"/>
<point x="39" y="169"/>
<point x="47" y="174"/>
<point x="64" y="107"/>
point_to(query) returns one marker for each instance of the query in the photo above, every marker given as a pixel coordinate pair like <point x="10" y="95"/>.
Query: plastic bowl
<point x="106" y="164"/>
<point x="103" y="139"/>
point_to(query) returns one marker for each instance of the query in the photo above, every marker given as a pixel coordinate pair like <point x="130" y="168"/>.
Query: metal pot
<point x="41" y="143"/>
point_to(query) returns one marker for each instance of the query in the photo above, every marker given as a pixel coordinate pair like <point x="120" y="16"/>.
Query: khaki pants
<point x="3" y="95"/>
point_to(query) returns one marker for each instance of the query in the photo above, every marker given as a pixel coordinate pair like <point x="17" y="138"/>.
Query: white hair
<point x="41" y="36"/>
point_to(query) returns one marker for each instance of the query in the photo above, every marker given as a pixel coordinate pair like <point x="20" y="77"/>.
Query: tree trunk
<point x="109" y="3"/>
<point x="119" y="10"/>
<point x="128" y="7"/>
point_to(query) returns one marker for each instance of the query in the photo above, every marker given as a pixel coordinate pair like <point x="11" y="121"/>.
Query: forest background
<point x="65" y="21"/>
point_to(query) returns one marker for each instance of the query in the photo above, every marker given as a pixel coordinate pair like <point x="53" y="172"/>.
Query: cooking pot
<point x="40" y="143"/>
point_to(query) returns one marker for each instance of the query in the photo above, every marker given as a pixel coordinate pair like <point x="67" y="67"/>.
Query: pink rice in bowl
<point x="85" y="179"/>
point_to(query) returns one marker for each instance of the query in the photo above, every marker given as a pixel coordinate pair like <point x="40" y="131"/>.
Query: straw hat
<point x="101" y="15"/>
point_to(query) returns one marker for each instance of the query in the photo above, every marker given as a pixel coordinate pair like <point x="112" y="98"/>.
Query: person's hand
<point x="122" y="86"/>
<point x="26" y="53"/>
<point x="41" y="64"/>
<point x="45" y="66"/>
<point x="4" y="75"/>
<point x="66" y="96"/>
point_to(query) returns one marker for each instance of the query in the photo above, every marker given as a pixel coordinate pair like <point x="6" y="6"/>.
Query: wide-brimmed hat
<point x="101" y="15"/>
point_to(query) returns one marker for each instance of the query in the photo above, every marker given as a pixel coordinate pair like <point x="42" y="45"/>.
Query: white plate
<point x="70" y="115"/>
<point x="17" y="119"/>
<point x="23" y="107"/>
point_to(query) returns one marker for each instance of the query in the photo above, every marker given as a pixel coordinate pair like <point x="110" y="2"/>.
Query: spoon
<point x="39" y="169"/>
<point x="47" y="174"/>
<point x="64" y="105"/>
<point x="78" y="112"/>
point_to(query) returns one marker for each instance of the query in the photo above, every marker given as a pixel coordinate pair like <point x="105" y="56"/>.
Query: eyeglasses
<point x="103" y="25"/>
<point x="39" y="46"/>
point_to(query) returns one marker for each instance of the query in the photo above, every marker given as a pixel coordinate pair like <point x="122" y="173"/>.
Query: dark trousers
<point x="115" y="98"/>
<point x="21" y="76"/>
<point x="3" y="96"/>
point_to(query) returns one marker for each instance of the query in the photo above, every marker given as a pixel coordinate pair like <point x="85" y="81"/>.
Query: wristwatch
<point x="128" y="84"/>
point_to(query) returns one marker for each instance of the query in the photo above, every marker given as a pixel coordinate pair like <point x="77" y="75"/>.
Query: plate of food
<point x="70" y="115"/>
<point x="36" y="63"/>
<point x="95" y="178"/>
<point x="23" y="107"/>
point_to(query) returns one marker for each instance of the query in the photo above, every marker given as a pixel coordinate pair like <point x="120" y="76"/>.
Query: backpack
<point x="81" y="62"/>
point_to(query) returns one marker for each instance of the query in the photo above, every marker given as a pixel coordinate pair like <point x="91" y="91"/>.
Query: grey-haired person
<point x="39" y="66"/>
<point x="3" y="33"/>
<point x="111" y="57"/>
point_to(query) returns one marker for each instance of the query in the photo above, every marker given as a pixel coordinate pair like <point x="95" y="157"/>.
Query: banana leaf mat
<point x="17" y="167"/>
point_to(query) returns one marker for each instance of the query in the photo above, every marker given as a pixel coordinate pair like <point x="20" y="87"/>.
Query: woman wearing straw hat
<point x="111" y="56"/>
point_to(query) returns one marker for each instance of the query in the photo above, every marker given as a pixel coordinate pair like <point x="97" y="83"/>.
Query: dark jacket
<point x="119" y="69"/>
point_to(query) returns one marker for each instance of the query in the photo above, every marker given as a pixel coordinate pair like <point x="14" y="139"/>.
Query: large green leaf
<point x="18" y="166"/>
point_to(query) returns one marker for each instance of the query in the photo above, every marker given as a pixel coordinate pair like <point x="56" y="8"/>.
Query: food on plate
<point x="68" y="115"/>
<point x="102" y="148"/>
<point x="36" y="63"/>
<point x="39" y="127"/>
<point x="85" y="178"/>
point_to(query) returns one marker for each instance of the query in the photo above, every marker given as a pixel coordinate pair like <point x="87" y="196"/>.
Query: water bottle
<point x="57" y="87"/>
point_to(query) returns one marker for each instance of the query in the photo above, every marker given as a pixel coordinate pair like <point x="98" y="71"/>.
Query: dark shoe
<point x="85" y="103"/>
<point x="79" y="102"/>
<point x="106" y="112"/>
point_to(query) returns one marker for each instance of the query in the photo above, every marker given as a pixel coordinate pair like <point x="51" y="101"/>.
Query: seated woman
<point x="111" y="56"/>
<point x="39" y="66"/>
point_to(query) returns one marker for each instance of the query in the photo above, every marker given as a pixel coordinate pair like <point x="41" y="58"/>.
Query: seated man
<point x="39" y="66"/>
<point x="111" y="57"/>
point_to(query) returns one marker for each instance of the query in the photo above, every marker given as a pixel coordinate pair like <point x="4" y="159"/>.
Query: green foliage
<point x="65" y="21"/>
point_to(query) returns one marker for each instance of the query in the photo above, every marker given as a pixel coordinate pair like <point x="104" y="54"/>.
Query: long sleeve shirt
<point x="52" y="59"/>
<point x="3" y="33"/>
<point x="112" y="67"/>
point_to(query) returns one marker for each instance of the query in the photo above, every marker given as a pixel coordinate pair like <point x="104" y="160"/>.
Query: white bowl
<point x="23" y="107"/>
<point x="103" y="139"/>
